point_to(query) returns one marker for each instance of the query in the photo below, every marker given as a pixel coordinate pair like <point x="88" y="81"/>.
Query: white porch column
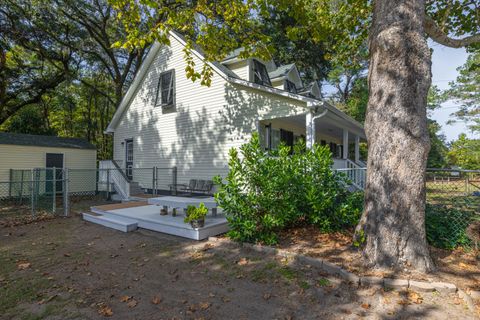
<point x="345" y="144"/>
<point x="357" y="148"/>
<point x="310" y="126"/>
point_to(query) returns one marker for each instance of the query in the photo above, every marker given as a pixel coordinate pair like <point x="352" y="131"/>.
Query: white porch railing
<point x="355" y="173"/>
<point x="110" y="173"/>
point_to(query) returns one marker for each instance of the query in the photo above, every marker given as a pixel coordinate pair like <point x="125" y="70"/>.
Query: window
<point x="289" y="86"/>
<point x="275" y="139"/>
<point x="166" y="89"/>
<point x="260" y="74"/>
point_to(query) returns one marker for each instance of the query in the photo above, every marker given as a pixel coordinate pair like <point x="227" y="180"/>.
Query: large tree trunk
<point x="396" y="128"/>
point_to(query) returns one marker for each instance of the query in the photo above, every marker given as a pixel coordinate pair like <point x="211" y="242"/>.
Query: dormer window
<point x="289" y="86"/>
<point x="166" y="89"/>
<point x="260" y="74"/>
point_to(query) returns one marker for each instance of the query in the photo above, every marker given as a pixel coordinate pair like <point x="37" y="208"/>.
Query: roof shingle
<point x="44" y="141"/>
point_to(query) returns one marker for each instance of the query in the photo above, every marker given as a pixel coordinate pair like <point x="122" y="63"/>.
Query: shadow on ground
<point x="71" y="269"/>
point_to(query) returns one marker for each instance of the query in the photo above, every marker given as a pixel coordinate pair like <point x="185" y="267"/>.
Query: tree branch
<point x="437" y="35"/>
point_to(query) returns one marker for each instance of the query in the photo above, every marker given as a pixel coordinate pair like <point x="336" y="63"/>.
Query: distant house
<point x="26" y="151"/>
<point x="166" y="120"/>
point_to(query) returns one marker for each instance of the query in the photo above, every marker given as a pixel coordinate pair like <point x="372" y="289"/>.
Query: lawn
<point x="66" y="268"/>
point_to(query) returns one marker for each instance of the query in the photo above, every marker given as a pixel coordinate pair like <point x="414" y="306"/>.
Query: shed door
<point x="54" y="160"/>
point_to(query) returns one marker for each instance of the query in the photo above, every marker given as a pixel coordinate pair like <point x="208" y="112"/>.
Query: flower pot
<point x="198" y="223"/>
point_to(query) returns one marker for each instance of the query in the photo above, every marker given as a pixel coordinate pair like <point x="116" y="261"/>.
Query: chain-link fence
<point x="33" y="192"/>
<point x="453" y="211"/>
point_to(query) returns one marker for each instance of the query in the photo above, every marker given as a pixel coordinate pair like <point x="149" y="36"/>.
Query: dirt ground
<point x="66" y="268"/>
<point x="459" y="267"/>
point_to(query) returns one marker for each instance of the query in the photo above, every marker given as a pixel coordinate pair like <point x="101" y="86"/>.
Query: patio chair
<point x="191" y="186"/>
<point x="207" y="187"/>
<point x="200" y="185"/>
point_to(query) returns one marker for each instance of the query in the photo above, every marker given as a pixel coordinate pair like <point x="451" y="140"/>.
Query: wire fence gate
<point x="35" y="191"/>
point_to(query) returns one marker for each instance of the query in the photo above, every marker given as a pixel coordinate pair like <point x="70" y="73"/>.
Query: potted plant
<point x="196" y="216"/>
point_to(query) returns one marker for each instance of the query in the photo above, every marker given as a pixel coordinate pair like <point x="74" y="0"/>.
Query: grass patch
<point x="323" y="282"/>
<point x="21" y="290"/>
<point x="288" y="273"/>
<point x="304" y="285"/>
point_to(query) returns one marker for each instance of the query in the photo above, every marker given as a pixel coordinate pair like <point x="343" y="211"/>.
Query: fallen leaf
<point x="23" y="265"/>
<point x="156" y="300"/>
<point x="132" y="304"/>
<point x="105" y="311"/>
<point x="125" y="298"/>
<point x="267" y="296"/>
<point x="415" y="297"/>
<point x="242" y="262"/>
<point x="204" y="305"/>
<point x="366" y="305"/>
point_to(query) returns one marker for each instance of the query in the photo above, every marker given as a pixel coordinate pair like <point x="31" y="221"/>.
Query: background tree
<point x="59" y="62"/>
<point x="465" y="153"/>
<point x="466" y="90"/>
<point x="308" y="55"/>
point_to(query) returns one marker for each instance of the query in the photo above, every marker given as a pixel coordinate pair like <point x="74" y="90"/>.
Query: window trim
<point x="158" y="98"/>
<point x="264" y="82"/>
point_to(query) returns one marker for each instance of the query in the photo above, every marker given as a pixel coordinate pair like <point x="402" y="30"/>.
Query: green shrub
<point x="264" y="193"/>
<point x="446" y="227"/>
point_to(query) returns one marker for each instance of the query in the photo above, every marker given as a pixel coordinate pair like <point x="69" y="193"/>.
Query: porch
<point x="342" y="136"/>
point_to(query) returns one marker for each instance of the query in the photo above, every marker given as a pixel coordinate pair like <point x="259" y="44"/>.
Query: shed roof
<point x="44" y="141"/>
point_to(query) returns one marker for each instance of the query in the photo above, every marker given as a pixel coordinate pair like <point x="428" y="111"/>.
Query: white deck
<point x="148" y="217"/>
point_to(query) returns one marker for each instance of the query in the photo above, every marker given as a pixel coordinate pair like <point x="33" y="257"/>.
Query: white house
<point x="166" y="120"/>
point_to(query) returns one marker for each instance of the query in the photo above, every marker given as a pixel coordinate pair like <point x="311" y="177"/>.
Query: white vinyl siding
<point x="241" y="69"/>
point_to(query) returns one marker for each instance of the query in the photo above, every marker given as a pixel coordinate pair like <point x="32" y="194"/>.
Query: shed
<point x="26" y="151"/>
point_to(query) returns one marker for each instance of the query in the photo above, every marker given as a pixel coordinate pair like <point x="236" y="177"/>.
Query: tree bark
<point x="393" y="221"/>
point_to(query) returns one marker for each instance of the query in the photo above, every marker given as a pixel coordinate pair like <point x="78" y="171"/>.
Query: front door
<point x="54" y="160"/>
<point x="129" y="158"/>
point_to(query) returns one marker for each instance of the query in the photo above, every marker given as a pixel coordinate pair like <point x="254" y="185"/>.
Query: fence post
<point x="32" y="201"/>
<point x="97" y="180"/>
<point x="174" y="180"/>
<point x="10" y="184"/>
<point x="21" y="187"/>
<point x="54" y="189"/>
<point x="66" y="198"/>
<point x="108" y="184"/>
<point x="154" y="181"/>
<point x="467" y="184"/>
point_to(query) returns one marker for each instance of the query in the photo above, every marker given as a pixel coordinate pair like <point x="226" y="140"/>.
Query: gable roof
<point x="226" y="74"/>
<point x="44" y="141"/>
<point x="281" y="71"/>
<point x="234" y="54"/>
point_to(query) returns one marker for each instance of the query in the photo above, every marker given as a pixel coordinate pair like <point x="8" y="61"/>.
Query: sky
<point x="445" y="62"/>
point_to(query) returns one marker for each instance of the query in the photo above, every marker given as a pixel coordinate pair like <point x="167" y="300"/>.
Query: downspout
<point x="311" y="125"/>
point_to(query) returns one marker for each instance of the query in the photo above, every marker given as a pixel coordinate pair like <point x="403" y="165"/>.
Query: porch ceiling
<point x="329" y="125"/>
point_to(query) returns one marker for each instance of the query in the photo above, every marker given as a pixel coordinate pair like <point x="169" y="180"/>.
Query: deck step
<point x="117" y="223"/>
